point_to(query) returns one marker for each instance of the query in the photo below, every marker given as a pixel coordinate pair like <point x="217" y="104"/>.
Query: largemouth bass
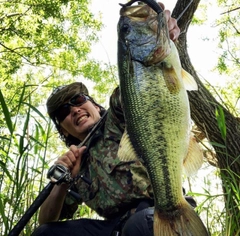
<point x="157" y="114"/>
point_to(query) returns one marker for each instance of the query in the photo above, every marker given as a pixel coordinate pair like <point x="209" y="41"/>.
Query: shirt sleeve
<point x="68" y="211"/>
<point x="70" y="206"/>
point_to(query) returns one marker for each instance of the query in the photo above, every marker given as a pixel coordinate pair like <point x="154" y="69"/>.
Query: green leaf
<point x="221" y="121"/>
<point x="5" y="170"/>
<point x="217" y="144"/>
<point x="6" y="113"/>
<point x="2" y="213"/>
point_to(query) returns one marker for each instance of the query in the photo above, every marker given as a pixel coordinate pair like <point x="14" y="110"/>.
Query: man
<point x="118" y="191"/>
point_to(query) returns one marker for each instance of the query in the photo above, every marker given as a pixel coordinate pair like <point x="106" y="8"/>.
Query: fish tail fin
<point x="184" y="222"/>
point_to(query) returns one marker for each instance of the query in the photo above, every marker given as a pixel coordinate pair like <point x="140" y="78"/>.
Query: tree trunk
<point x="203" y="112"/>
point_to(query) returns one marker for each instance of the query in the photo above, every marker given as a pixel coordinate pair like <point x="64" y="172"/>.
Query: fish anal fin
<point x="194" y="158"/>
<point x="183" y="221"/>
<point x="188" y="81"/>
<point x="126" y="151"/>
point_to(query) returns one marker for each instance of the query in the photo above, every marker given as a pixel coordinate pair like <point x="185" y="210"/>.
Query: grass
<point x="28" y="147"/>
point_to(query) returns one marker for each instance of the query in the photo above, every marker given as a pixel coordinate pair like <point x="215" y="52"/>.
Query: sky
<point x="106" y="49"/>
<point x="202" y="46"/>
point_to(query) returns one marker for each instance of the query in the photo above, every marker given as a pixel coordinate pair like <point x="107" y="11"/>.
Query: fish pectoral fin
<point x="189" y="82"/>
<point x="171" y="79"/>
<point x="194" y="159"/>
<point x="126" y="151"/>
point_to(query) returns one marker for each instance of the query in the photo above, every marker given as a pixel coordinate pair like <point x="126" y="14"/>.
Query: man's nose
<point x="75" y="110"/>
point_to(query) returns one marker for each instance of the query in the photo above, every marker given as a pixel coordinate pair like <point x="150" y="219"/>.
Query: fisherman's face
<point x="80" y="120"/>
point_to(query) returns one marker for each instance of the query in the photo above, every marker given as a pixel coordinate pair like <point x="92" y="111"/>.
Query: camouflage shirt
<point x="116" y="186"/>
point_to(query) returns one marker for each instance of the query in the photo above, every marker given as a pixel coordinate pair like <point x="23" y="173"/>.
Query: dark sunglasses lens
<point x="65" y="109"/>
<point x="63" y="112"/>
<point x="78" y="100"/>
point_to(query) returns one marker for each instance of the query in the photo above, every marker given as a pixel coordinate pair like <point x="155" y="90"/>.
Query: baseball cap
<point x="62" y="94"/>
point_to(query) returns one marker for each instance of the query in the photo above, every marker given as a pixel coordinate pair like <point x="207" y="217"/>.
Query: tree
<point x="47" y="43"/>
<point x="214" y="120"/>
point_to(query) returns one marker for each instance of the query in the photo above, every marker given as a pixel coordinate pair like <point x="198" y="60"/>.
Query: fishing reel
<point x="59" y="174"/>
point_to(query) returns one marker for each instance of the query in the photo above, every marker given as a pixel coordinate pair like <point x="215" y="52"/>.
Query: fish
<point x="153" y="91"/>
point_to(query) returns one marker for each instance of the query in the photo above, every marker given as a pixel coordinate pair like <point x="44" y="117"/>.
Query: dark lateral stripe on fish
<point x="166" y="181"/>
<point x="162" y="151"/>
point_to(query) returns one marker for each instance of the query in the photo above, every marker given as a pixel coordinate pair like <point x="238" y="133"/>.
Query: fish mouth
<point x="135" y="12"/>
<point x="156" y="41"/>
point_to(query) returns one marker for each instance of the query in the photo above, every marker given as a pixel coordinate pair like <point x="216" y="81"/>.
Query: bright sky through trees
<point x="202" y="44"/>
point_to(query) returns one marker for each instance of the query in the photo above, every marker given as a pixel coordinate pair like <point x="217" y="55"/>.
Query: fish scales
<point x="147" y="120"/>
<point x="157" y="114"/>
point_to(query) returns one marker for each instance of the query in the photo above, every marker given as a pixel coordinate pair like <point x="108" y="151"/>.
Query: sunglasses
<point x="64" y="110"/>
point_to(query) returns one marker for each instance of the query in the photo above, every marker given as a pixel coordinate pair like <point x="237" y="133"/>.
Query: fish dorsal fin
<point x="194" y="159"/>
<point x="188" y="81"/>
<point x="126" y="151"/>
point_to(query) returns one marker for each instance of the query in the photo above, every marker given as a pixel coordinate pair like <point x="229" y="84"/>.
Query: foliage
<point x="53" y="51"/>
<point x="229" y="48"/>
<point x="54" y="38"/>
<point x="229" y="31"/>
<point x="24" y="141"/>
<point x="214" y="204"/>
<point x="45" y="44"/>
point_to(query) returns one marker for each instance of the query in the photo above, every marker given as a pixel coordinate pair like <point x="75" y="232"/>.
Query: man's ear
<point x="65" y="133"/>
<point x="98" y="108"/>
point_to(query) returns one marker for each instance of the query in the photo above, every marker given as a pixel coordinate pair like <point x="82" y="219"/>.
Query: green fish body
<point x="157" y="114"/>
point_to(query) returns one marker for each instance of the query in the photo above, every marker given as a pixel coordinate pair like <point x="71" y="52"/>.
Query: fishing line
<point x="184" y="10"/>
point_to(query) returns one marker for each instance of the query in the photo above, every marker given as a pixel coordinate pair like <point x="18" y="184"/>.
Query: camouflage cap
<point x="62" y="94"/>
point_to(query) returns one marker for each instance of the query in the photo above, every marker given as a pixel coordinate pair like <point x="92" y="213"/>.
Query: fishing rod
<point x="60" y="174"/>
<point x="57" y="174"/>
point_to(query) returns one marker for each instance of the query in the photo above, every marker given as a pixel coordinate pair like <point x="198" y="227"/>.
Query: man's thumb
<point x="78" y="161"/>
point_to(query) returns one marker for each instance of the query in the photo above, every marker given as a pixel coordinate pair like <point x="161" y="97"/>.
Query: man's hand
<point x="72" y="159"/>
<point x="173" y="28"/>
